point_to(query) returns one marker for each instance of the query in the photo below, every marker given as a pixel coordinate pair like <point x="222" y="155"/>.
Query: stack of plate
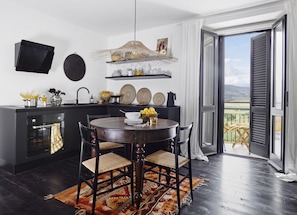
<point x="133" y="121"/>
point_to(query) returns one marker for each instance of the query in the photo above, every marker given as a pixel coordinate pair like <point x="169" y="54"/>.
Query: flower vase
<point x="56" y="100"/>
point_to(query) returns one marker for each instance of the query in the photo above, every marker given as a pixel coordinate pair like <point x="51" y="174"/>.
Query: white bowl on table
<point x="132" y="115"/>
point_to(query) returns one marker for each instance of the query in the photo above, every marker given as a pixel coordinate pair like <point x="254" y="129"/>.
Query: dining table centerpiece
<point x="149" y="115"/>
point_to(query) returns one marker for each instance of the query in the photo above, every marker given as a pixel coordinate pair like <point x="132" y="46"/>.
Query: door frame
<point x="221" y="95"/>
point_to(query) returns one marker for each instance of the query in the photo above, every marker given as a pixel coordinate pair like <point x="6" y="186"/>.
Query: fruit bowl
<point x="149" y="115"/>
<point x="105" y="96"/>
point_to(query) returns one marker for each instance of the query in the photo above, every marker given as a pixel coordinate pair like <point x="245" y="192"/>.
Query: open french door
<point x="268" y="94"/>
<point x="260" y="94"/>
<point x="208" y="93"/>
<point x="278" y="95"/>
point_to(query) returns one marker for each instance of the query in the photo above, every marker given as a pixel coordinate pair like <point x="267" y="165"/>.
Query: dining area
<point x="25" y="194"/>
<point x="129" y="159"/>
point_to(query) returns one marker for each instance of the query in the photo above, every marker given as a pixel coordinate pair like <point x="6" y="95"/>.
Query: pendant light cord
<point x="135" y="21"/>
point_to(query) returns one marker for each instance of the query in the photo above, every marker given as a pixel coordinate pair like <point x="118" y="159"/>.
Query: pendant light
<point x="132" y="50"/>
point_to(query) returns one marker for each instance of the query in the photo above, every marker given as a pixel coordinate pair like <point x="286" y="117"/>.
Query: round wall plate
<point x="128" y="94"/>
<point x="74" y="67"/>
<point x="159" y="99"/>
<point x="143" y="96"/>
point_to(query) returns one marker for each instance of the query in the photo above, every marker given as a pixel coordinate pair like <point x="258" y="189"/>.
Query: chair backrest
<point x="184" y="137"/>
<point x="91" y="117"/>
<point x="89" y="140"/>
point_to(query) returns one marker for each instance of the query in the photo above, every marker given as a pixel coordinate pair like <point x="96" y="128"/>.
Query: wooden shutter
<point x="260" y="94"/>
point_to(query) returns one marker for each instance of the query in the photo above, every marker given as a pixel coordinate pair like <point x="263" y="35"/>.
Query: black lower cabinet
<point x="72" y="117"/>
<point x="26" y="134"/>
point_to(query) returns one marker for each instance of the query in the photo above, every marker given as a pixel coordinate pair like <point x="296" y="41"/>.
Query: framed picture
<point x="162" y="45"/>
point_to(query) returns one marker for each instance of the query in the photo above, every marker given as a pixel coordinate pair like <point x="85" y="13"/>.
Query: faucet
<point x="78" y="91"/>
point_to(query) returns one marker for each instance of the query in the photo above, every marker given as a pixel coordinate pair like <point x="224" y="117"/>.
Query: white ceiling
<point x="114" y="17"/>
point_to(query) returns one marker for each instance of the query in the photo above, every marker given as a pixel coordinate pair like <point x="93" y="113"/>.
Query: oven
<point x="40" y="129"/>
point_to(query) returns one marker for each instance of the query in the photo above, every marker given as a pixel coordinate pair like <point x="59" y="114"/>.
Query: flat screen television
<point x="33" y="57"/>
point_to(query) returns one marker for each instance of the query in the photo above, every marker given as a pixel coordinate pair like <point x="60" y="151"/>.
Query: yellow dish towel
<point x="56" y="138"/>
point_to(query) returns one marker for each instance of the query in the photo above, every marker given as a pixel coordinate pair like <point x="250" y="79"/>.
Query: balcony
<point x="236" y="125"/>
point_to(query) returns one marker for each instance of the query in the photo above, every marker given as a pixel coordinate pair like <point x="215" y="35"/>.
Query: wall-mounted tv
<point x="33" y="57"/>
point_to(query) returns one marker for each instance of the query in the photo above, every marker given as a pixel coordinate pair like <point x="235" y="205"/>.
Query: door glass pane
<point x="277" y="144"/>
<point x="207" y="129"/>
<point x="209" y="70"/>
<point x="276" y="136"/>
<point x="278" y="67"/>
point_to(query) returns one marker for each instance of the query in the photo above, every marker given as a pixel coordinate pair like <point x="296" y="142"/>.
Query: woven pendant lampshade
<point x="135" y="50"/>
<point x="132" y="50"/>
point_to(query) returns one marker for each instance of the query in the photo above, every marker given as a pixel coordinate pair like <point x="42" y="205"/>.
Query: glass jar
<point x="153" y="120"/>
<point x="56" y="100"/>
<point x="150" y="119"/>
<point x="43" y="101"/>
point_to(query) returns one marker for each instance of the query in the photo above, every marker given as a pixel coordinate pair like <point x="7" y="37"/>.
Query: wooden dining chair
<point x="177" y="167"/>
<point x="90" y="168"/>
<point x="105" y="146"/>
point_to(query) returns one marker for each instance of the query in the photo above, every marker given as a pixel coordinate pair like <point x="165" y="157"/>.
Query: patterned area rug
<point x="156" y="199"/>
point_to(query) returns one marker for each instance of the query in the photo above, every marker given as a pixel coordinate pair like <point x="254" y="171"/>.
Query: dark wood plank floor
<point x="236" y="186"/>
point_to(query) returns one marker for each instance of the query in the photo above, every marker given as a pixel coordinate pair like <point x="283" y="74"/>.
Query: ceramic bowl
<point x="132" y="115"/>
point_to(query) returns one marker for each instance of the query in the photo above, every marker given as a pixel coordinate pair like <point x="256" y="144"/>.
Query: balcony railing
<point x="235" y="113"/>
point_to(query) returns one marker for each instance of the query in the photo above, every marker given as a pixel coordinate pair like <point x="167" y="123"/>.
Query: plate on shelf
<point x="143" y="96"/>
<point x="159" y="99"/>
<point x="128" y="94"/>
<point x="133" y="121"/>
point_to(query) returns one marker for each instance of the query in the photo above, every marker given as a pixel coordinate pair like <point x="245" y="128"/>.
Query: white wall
<point x="19" y="23"/>
<point x="149" y="39"/>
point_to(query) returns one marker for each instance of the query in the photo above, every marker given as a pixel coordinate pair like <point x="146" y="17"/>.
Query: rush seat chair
<point x="105" y="146"/>
<point x="111" y="164"/>
<point x="177" y="167"/>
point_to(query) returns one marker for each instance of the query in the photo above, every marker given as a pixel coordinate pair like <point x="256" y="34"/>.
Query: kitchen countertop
<point x="63" y="106"/>
<point x="21" y="108"/>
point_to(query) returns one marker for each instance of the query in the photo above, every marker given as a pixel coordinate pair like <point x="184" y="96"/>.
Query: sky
<point x="237" y="59"/>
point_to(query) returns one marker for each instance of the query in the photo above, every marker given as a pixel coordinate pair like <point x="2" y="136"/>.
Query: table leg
<point x="170" y="148"/>
<point x="139" y="162"/>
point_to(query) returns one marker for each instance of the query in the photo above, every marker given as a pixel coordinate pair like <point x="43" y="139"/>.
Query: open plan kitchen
<point x="140" y="107"/>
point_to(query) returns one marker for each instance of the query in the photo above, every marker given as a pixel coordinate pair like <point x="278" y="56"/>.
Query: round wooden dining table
<point x="114" y="129"/>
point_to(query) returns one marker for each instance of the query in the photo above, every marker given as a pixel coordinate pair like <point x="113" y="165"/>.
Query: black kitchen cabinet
<point x="14" y="137"/>
<point x="15" y="134"/>
<point x="75" y="115"/>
